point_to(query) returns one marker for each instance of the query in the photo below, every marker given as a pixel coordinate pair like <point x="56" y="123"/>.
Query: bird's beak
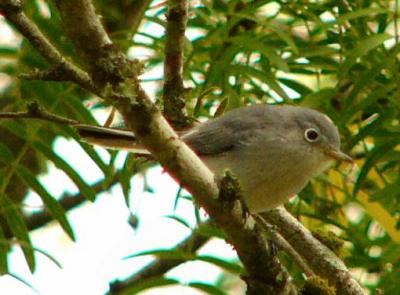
<point x="339" y="155"/>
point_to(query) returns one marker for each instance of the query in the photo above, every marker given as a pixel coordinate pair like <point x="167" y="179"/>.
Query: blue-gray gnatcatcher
<point x="273" y="150"/>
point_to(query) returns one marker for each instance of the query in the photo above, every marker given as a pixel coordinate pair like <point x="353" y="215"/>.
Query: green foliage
<point x="340" y="57"/>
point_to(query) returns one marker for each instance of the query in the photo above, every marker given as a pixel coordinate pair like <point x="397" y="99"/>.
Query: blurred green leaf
<point x="4" y="247"/>
<point x="60" y="163"/>
<point x="179" y="220"/>
<point x="256" y="45"/>
<point x="126" y="177"/>
<point x="222" y="107"/>
<point x="49" y="256"/>
<point x="16" y="223"/>
<point x="148" y="284"/>
<point x="362" y="48"/>
<point x="207" y="288"/>
<point x="262" y="76"/>
<point x="23" y="281"/>
<point x="377" y="153"/>
<point x="164" y="254"/>
<point x="233" y="267"/>
<point x="55" y="209"/>
<point x="6" y="156"/>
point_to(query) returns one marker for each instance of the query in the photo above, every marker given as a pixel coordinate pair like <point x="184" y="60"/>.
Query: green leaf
<point x="55" y="209"/>
<point x="200" y="98"/>
<point x="296" y="86"/>
<point x="178" y="196"/>
<point x="68" y="132"/>
<point x="23" y="281"/>
<point x="164" y="254"/>
<point x="55" y="261"/>
<point x="265" y="77"/>
<point x="319" y="99"/>
<point x="107" y="170"/>
<point x="233" y="267"/>
<point x="6" y="156"/>
<point x="211" y="231"/>
<point x="377" y="153"/>
<point x="126" y="176"/>
<point x="388" y="191"/>
<point x="16" y="128"/>
<point x="207" y="288"/>
<point x="4" y="248"/>
<point x="7" y="51"/>
<point x="149" y="283"/>
<point x="222" y="107"/>
<point x="84" y="188"/>
<point x="263" y="48"/>
<point x="80" y="111"/>
<point x="15" y="221"/>
<point x="284" y="35"/>
<point x="369" y="129"/>
<point x="361" y="49"/>
<point x="179" y="220"/>
<point x="360" y="13"/>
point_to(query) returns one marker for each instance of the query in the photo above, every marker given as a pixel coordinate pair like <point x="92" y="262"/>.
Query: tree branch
<point x="107" y="65"/>
<point x="161" y="266"/>
<point x="35" y="112"/>
<point x="12" y="10"/>
<point x="285" y="246"/>
<point x="173" y="97"/>
<point x="321" y="259"/>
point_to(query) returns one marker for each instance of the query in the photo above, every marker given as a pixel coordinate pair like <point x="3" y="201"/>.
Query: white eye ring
<point x="311" y="135"/>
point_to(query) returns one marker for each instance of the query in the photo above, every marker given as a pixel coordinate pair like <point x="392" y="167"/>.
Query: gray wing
<point x="227" y="132"/>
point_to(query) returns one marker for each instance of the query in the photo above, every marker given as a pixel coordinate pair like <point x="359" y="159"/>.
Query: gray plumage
<point x="267" y="147"/>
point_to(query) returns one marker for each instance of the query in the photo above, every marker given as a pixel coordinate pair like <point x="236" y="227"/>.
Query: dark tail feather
<point x="110" y="138"/>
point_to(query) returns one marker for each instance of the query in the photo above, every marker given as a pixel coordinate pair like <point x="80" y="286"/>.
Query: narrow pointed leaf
<point x="222" y="107"/>
<point x="265" y="77"/>
<point x="15" y="221"/>
<point x="361" y="49"/>
<point x="179" y="220"/>
<point x="49" y="256"/>
<point x="200" y="98"/>
<point x="149" y="283"/>
<point x="126" y="176"/>
<point x="264" y="49"/>
<point x="55" y="209"/>
<point x="4" y="247"/>
<point x="164" y="254"/>
<point x="23" y="281"/>
<point x="233" y="267"/>
<point x="6" y="156"/>
<point x="207" y="288"/>
<point x="60" y="163"/>
<point x="377" y="153"/>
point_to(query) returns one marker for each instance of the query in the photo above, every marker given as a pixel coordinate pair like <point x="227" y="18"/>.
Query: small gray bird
<point x="273" y="150"/>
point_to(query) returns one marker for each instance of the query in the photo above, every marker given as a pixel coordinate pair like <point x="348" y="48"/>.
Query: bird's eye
<point x="311" y="135"/>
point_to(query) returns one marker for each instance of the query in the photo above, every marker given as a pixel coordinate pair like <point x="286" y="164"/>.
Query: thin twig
<point x="35" y="112"/>
<point x="12" y="10"/>
<point x="173" y="97"/>
<point x="321" y="259"/>
<point x="285" y="246"/>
